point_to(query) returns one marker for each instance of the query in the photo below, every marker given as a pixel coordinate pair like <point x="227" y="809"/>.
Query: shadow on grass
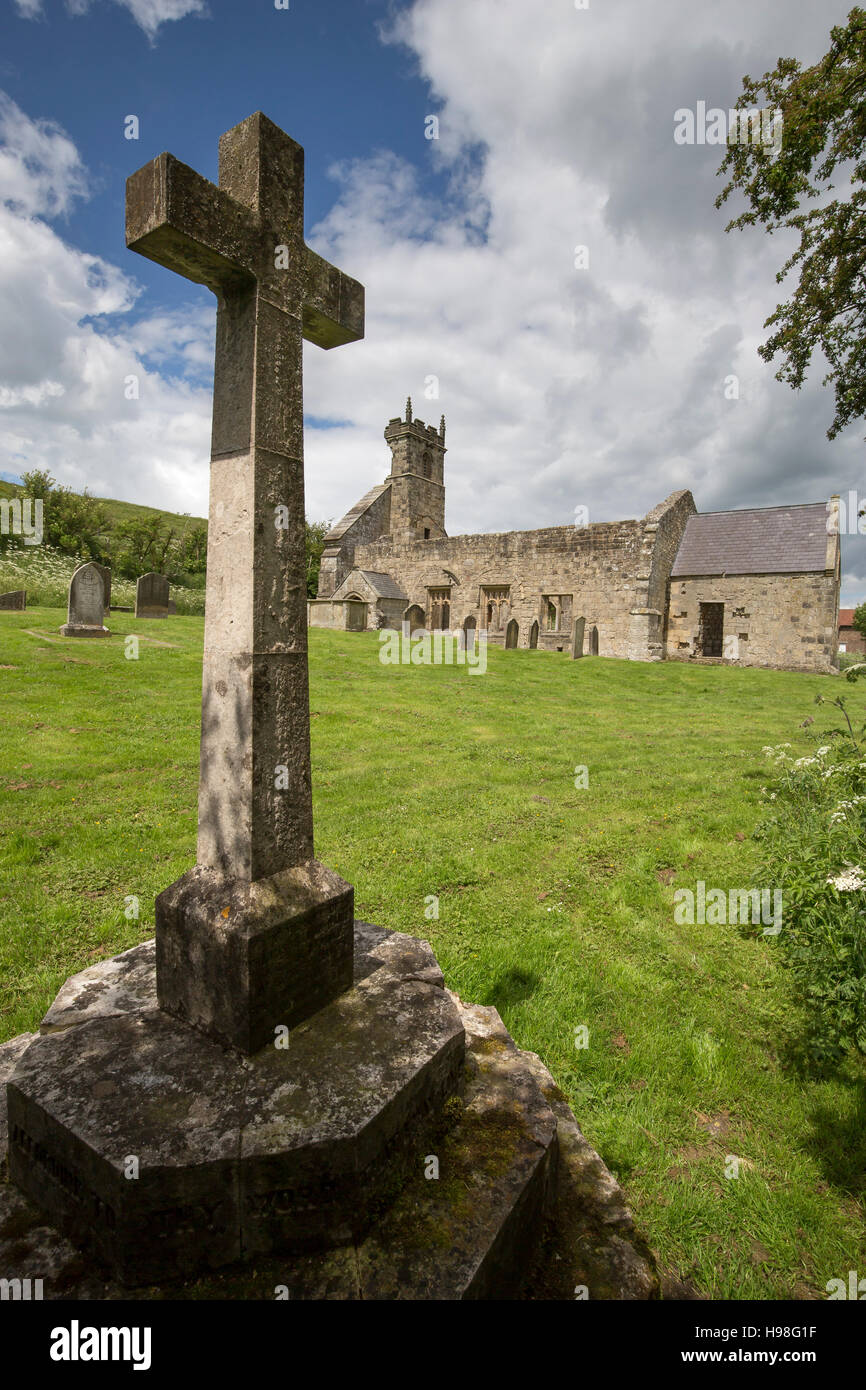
<point x="512" y="987"/>
<point x="839" y="1142"/>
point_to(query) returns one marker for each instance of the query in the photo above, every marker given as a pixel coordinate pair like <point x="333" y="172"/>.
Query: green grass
<point x="555" y="904"/>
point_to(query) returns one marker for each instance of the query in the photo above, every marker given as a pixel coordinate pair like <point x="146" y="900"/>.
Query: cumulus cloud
<point x="605" y="386"/>
<point x="148" y="14"/>
<point x="68" y="373"/>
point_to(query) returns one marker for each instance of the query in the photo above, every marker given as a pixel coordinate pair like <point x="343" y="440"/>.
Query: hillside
<point x="120" y="511"/>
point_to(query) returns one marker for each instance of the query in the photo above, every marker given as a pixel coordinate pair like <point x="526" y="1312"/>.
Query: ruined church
<point x="757" y="587"/>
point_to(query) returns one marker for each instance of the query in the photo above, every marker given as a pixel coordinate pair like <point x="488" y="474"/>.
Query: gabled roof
<point x="375" y="585"/>
<point x="763" y="540"/>
<point x="382" y="584"/>
<point x="337" y="532"/>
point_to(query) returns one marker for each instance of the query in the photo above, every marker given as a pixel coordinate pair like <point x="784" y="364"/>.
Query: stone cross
<point x="245" y="240"/>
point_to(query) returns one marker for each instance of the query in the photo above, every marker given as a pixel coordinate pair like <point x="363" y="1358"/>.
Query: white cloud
<point x="148" y="14"/>
<point x="603" y="387"/>
<point x="40" y="169"/>
<point x="63" y="382"/>
<point x="562" y="387"/>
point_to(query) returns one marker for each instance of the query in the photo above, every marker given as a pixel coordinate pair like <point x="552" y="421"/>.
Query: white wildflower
<point x="849" y="882"/>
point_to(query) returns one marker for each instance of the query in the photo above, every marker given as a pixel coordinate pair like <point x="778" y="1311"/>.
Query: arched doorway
<point x="533" y="636"/>
<point x="414" y="616"/>
<point x="356" y="613"/>
<point x="512" y="632"/>
<point x="593" y="641"/>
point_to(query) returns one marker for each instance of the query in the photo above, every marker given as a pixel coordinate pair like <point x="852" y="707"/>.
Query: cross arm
<point x="183" y="221"/>
<point x="333" y="304"/>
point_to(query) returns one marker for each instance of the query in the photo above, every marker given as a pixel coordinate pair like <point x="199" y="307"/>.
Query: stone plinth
<point x="523" y="1206"/>
<point x="294" y="1148"/>
<point x="238" y="959"/>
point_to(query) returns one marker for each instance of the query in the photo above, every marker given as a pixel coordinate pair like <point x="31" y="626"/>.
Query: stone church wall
<point x="784" y="621"/>
<point x="594" y="565"/>
<point x="366" y="523"/>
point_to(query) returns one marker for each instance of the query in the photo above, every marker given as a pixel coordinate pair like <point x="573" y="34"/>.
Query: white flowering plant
<point x="813" y="838"/>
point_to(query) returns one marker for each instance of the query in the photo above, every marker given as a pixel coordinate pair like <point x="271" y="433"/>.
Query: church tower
<point x="417" y="478"/>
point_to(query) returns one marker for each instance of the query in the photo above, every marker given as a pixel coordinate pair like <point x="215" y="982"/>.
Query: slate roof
<point x="382" y="584"/>
<point x="339" y="530"/>
<point x="765" y="540"/>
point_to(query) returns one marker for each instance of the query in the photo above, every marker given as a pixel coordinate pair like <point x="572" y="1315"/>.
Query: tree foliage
<point x="814" y="186"/>
<point x="315" y="533"/>
<point x="72" y="522"/>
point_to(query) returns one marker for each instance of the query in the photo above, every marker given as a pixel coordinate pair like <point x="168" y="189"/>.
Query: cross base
<point x="241" y="960"/>
<point x="176" y="1156"/>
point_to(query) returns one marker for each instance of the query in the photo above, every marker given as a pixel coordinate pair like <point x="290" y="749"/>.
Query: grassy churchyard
<point x="436" y="790"/>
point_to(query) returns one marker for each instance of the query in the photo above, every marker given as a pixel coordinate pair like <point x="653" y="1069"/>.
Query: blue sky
<point x="319" y="70"/>
<point x="600" y="387"/>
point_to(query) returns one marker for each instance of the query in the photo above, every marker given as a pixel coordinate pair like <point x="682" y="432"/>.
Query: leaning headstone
<point x="577" y="638"/>
<point x="106" y="580"/>
<point x="86" y="604"/>
<point x="151" y="596"/>
<point x="172" y="607"/>
<point x="15" y="601"/>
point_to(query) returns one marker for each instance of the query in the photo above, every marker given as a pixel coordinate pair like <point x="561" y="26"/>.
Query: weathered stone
<point x="472" y="1232"/>
<point x="513" y="1210"/>
<point x="296" y="1146"/>
<point x="577" y="638"/>
<point x="592" y="1239"/>
<point x="244" y="240"/>
<point x="151" y="596"/>
<point x="528" y="588"/>
<point x="237" y="958"/>
<point x="117" y="986"/>
<point x="86" y="604"/>
<point x="106" y="581"/>
<point x="15" y="601"/>
<point x="10" y="1052"/>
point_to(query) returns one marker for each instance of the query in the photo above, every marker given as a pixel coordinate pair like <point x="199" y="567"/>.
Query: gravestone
<point x="106" y="581"/>
<point x="151" y="596"/>
<point x="577" y="637"/>
<point x="248" y="1142"/>
<point x="86" y="604"/>
<point x="15" y="601"/>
